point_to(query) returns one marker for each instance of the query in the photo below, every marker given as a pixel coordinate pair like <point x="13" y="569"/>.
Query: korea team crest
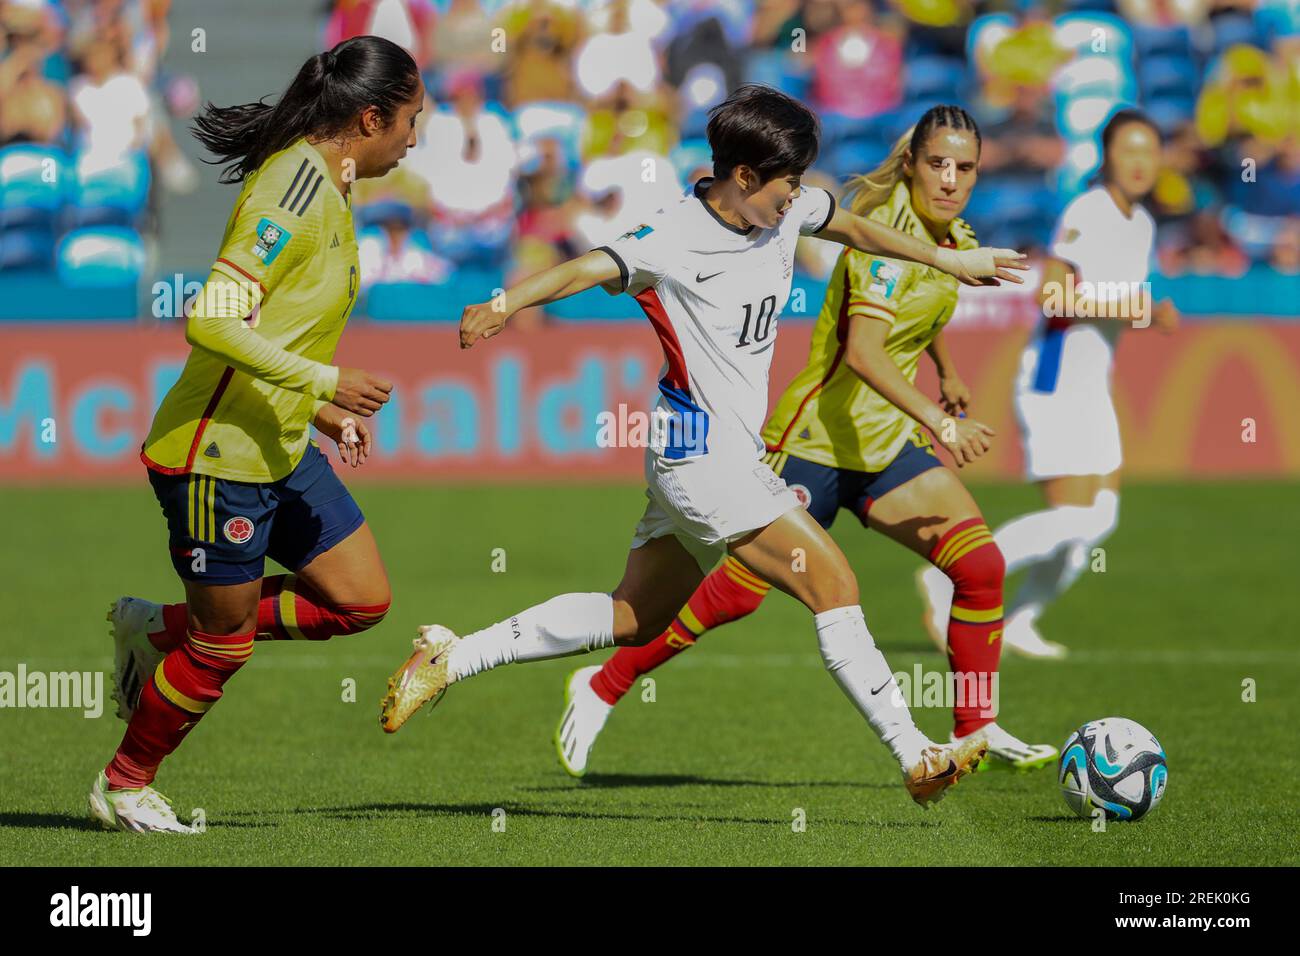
<point x="237" y="529"/>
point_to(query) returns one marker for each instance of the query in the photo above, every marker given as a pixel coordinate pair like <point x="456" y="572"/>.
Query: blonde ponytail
<point x="869" y="190"/>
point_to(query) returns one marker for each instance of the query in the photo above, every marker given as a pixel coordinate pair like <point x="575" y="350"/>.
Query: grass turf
<point x="745" y="730"/>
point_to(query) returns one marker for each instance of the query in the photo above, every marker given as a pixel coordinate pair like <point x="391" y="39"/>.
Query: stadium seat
<point x="1166" y="75"/>
<point x="32" y="184"/>
<point x="1233" y="29"/>
<point x="934" y="77"/>
<point x="100" y="257"/>
<point x="1162" y="41"/>
<point x="115" y="196"/>
<point x="1170" y="113"/>
<point x="1254" y="233"/>
<point x="27" y="247"/>
<point x="1096" y="76"/>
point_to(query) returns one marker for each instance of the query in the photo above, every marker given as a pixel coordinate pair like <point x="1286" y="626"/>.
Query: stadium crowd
<point x="554" y="123"/>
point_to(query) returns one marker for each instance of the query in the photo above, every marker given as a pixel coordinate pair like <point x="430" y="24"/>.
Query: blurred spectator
<point x="467" y="156"/>
<point x="625" y="121"/>
<point x="541" y="36"/>
<point x="408" y="23"/>
<point x="32" y="109"/>
<point x="937" y="26"/>
<point x="389" y="252"/>
<point x="111" y="109"/>
<point x="1025" y="139"/>
<point x="34" y="22"/>
<point x="1164" y="13"/>
<point x="616" y="51"/>
<point x="857" y="65"/>
<point x="1285" y="257"/>
<point x="463" y="39"/>
<point x="138" y="26"/>
<point x="1246" y="101"/>
<point x="1205" y="249"/>
<point x="704" y="37"/>
<point x="544" y="232"/>
<point x="1025" y="56"/>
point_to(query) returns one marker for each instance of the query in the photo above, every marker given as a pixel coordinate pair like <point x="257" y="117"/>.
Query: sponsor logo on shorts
<point x="803" y="494"/>
<point x="237" y="529"/>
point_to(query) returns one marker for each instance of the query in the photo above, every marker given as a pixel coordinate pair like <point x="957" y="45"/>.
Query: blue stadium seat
<point x="777" y="68"/>
<point x="1168" y="75"/>
<point x="1170" y="113"/>
<point x="1162" y="41"/>
<point x="27" y="247"/>
<point x="32" y="184"/>
<point x="1096" y="6"/>
<point x="934" y="77"/>
<point x="1233" y="29"/>
<point x="116" y="196"/>
<point x="100" y="257"/>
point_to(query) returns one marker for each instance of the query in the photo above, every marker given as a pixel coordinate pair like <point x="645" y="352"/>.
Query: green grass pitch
<point x="745" y="730"/>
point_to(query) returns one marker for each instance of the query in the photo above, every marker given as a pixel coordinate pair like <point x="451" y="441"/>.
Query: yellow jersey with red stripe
<point x="259" y="369"/>
<point x="828" y="415"/>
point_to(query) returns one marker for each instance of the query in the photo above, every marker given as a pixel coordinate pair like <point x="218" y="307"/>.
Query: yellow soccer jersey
<point x="242" y="407"/>
<point x="828" y="414"/>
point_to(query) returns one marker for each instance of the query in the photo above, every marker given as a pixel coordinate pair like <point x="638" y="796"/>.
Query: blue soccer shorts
<point x="222" y="531"/>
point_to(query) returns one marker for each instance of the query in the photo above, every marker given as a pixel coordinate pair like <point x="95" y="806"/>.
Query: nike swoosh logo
<point x="952" y="769"/>
<point x="700" y="278"/>
<point x="880" y="688"/>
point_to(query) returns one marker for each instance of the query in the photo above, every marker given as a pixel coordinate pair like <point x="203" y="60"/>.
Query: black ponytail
<point x="323" y="100"/>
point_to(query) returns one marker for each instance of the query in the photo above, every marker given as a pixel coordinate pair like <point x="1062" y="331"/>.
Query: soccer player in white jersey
<point x="1094" y="284"/>
<point x="712" y="273"/>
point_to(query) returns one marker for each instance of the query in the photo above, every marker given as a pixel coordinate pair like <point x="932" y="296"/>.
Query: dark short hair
<point x="762" y="128"/>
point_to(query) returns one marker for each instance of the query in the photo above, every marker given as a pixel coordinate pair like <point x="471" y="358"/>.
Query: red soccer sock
<point x="289" y="609"/>
<point x="968" y="555"/>
<point x="184" y="687"/>
<point x="730" y="592"/>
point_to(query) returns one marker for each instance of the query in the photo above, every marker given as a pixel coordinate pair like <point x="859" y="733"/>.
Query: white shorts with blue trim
<point x="707" y="501"/>
<point x="1068" y="424"/>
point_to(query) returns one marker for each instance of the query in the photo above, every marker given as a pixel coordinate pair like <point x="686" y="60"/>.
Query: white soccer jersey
<point x="714" y="293"/>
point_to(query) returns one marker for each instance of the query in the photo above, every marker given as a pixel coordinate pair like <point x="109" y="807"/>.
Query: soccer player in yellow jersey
<point x="229" y="455"/>
<point x="845" y="434"/>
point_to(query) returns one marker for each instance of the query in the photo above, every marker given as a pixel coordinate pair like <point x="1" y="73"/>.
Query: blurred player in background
<point x="712" y="273"/>
<point x="1093" y="284"/>
<point x="845" y="435"/>
<point x="229" y="454"/>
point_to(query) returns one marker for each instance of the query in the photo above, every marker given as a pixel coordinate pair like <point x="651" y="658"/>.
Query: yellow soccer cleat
<point x="941" y="768"/>
<point x="421" y="680"/>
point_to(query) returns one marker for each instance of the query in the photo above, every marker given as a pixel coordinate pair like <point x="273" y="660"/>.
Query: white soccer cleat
<point x="1021" y="636"/>
<point x="584" y="717"/>
<point x="421" y="680"/>
<point x="1011" y="752"/>
<point x="935" y="589"/>
<point x="135" y="811"/>
<point x="941" y="768"/>
<point x="134" y="656"/>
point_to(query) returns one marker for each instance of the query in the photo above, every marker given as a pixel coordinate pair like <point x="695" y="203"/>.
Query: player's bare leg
<point x="351" y="573"/>
<point x="660" y="576"/>
<point x="797" y="555"/>
<point x="934" y="515"/>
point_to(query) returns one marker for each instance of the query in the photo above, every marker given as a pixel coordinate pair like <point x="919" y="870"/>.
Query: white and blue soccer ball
<point x="1114" y="765"/>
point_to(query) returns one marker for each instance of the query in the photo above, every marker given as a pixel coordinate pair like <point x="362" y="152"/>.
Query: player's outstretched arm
<point x="483" y="320"/>
<point x="965" y="438"/>
<point x="982" y="266"/>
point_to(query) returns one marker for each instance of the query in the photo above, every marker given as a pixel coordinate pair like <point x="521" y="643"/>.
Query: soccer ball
<point x="1113" y="764"/>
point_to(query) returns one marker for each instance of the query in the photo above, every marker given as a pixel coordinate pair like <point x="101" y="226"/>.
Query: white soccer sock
<point x="1051" y="576"/>
<point x="1036" y="536"/>
<point x="564" y="625"/>
<point x="860" y="669"/>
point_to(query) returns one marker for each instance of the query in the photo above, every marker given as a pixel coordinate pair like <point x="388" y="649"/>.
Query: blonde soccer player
<point x="712" y="273"/>
<point x="229" y="454"/>
<point x="850" y="433"/>
<point x="1095" y="283"/>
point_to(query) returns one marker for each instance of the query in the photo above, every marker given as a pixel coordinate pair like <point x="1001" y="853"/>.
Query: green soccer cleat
<point x="1010" y="753"/>
<point x="583" y="718"/>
